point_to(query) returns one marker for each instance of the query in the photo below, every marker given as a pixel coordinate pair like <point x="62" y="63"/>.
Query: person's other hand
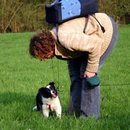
<point x="89" y="74"/>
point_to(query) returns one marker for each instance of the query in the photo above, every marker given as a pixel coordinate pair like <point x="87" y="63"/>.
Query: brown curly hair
<point x="42" y="45"/>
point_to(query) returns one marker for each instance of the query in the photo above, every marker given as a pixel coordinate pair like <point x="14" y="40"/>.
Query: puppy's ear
<point x="51" y="83"/>
<point x="41" y="89"/>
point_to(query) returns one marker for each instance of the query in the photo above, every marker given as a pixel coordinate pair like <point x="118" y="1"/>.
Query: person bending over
<point x="85" y="43"/>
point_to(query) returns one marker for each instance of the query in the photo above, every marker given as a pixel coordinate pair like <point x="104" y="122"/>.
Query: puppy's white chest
<point x="51" y="104"/>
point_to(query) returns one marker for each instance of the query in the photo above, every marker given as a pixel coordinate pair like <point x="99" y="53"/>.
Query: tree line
<point x="29" y="15"/>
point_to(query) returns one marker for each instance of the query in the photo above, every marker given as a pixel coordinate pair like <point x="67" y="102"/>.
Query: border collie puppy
<point x="47" y="100"/>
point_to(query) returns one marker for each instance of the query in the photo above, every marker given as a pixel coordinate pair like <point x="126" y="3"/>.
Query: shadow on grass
<point x="9" y="98"/>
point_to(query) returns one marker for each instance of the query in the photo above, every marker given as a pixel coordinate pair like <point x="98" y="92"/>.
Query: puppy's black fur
<point x="45" y="92"/>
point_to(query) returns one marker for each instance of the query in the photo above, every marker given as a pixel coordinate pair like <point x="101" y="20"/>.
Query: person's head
<point x="42" y="46"/>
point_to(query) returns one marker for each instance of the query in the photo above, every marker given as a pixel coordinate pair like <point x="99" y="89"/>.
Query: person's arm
<point x="86" y="43"/>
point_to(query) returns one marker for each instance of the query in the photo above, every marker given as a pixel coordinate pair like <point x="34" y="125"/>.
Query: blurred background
<point x="29" y="15"/>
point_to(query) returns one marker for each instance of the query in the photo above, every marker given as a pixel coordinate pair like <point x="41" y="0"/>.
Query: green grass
<point x="21" y="76"/>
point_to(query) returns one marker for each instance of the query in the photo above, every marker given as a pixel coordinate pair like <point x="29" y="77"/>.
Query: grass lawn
<point x="21" y="76"/>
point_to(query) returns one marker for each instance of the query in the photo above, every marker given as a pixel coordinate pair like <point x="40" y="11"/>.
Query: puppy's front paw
<point x="59" y="116"/>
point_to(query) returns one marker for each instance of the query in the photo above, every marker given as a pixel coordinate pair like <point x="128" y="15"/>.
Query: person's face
<point x="49" y="55"/>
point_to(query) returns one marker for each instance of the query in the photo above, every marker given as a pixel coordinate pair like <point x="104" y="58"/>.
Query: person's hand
<point x="89" y="74"/>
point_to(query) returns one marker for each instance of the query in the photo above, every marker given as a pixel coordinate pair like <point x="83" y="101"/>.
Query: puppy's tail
<point x="35" y="108"/>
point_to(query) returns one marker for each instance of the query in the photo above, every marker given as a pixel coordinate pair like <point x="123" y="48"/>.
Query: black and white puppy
<point x="47" y="100"/>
